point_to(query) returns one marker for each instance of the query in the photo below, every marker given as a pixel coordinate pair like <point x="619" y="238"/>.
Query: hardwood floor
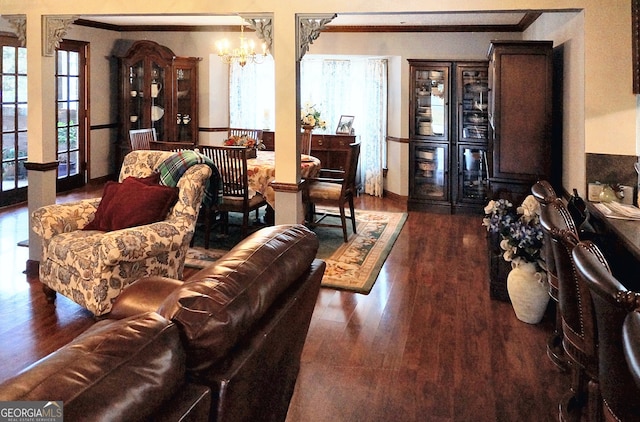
<point x="427" y="344"/>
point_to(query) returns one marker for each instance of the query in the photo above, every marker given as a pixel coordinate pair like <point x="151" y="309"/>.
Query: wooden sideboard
<point x="331" y="150"/>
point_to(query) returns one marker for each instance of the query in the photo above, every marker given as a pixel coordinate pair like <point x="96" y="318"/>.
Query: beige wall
<point x="600" y="114"/>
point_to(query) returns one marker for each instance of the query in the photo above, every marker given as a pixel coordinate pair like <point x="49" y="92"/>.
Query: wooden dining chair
<point x="250" y="133"/>
<point x="231" y="162"/>
<point x="171" y="146"/>
<point x="142" y="138"/>
<point x="333" y="188"/>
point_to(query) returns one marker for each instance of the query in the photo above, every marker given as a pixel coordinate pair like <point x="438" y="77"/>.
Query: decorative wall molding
<point x="308" y="29"/>
<point x="263" y="25"/>
<point x="54" y="28"/>
<point x="19" y="23"/>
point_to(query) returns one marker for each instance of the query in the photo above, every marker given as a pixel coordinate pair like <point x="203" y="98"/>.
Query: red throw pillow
<point x="132" y="203"/>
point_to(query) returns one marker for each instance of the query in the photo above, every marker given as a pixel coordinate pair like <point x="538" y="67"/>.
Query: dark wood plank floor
<point x="427" y="344"/>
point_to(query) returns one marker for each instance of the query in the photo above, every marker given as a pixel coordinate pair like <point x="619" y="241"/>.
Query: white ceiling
<point x="393" y="19"/>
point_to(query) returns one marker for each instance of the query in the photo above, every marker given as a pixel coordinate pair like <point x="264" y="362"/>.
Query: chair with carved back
<point x="333" y="188"/>
<point x="612" y="302"/>
<point x="142" y="138"/>
<point x="544" y="193"/>
<point x="231" y="162"/>
<point x="578" y="319"/>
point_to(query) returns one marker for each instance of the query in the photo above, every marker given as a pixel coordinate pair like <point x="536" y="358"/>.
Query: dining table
<point x="261" y="171"/>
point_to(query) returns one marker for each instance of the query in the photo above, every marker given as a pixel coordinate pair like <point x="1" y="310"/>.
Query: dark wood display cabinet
<point x="158" y="90"/>
<point x="520" y="116"/>
<point x="448" y="133"/>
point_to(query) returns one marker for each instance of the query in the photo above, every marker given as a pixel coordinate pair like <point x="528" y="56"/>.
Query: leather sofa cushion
<point x="116" y="370"/>
<point x="220" y="303"/>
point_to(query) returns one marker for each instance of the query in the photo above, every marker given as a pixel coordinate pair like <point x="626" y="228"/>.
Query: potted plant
<point x="521" y="240"/>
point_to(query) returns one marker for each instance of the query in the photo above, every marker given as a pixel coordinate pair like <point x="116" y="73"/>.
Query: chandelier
<point x="245" y="53"/>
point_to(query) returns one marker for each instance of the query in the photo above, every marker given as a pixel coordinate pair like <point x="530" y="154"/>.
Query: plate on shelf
<point x="156" y="113"/>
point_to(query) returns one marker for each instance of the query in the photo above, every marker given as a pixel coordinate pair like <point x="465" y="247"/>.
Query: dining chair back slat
<point x="231" y="162"/>
<point x="142" y="138"/>
<point x="250" y="133"/>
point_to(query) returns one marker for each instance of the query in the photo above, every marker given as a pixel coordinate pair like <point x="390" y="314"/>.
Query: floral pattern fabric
<point x="261" y="171"/>
<point x="92" y="267"/>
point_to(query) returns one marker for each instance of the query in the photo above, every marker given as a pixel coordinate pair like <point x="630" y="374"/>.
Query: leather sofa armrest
<point x="144" y="295"/>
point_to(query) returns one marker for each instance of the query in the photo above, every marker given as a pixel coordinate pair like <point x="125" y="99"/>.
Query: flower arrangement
<point x="310" y="116"/>
<point x="520" y="229"/>
<point x="246" y="141"/>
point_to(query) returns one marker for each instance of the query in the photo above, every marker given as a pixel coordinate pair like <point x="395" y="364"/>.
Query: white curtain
<point x="252" y="95"/>
<point x="353" y="86"/>
<point x="373" y="151"/>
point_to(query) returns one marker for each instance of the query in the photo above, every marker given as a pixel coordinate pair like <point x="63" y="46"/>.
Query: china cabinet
<point x="520" y="116"/>
<point x="448" y="133"/>
<point x="158" y="90"/>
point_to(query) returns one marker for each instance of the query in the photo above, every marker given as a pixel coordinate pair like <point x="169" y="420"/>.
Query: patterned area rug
<point x="352" y="266"/>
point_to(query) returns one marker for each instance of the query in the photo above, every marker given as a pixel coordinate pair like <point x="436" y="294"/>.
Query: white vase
<point x="528" y="291"/>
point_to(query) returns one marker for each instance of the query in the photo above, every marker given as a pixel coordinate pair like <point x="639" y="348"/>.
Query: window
<point x="71" y="112"/>
<point x="13" y="114"/>
<point x="354" y="86"/>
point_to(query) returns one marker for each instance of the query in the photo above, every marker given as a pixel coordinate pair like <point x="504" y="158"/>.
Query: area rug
<point x="352" y="266"/>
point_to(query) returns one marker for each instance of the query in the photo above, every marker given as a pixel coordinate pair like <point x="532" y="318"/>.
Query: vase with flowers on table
<point x="252" y="145"/>
<point x="521" y="240"/>
<point x="309" y="120"/>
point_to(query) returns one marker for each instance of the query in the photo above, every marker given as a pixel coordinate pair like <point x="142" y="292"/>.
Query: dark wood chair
<point x="171" y="146"/>
<point x="333" y="188"/>
<point x="250" y="133"/>
<point x="544" y="193"/>
<point x="578" y="319"/>
<point x="231" y="162"/>
<point x="142" y="138"/>
<point x="612" y="302"/>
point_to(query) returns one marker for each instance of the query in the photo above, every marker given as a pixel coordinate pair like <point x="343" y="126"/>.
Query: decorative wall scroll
<point x="308" y="29"/>
<point x="263" y="25"/>
<point x="53" y="29"/>
<point x="19" y="23"/>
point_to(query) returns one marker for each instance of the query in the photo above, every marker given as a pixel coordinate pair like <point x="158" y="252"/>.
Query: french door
<point x="13" y="114"/>
<point x="71" y="107"/>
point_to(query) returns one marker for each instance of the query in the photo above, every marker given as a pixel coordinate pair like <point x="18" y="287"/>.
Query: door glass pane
<point x="430" y="172"/>
<point x="474" y="173"/>
<point x="8" y="88"/>
<point x="8" y="60"/>
<point x="22" y="117"/>
<point x="62" y="63"/>
<point x="22" y="89"/>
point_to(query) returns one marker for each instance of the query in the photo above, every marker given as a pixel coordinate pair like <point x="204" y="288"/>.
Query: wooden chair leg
<point x="353" y="214"/>
<point x="343" y="218"/>
<point x="49" y="293"/>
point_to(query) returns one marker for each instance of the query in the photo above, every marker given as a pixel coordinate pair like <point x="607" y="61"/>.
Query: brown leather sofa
<point x="224" y="345"/>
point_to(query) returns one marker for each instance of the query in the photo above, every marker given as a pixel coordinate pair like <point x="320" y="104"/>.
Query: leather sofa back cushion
<point x="220" y="303"/>
<point x="116" y="370"/>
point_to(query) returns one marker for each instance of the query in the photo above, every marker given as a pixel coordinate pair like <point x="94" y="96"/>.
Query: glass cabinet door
<point x="472" y="104"/>
<point x="431" y="102"/>
<point x="157" y="92"/>
<point x="184" y="110"/>
<point x="429" y="168"/>
<point x="473" y="177"/>
<point x="136" y="94"/>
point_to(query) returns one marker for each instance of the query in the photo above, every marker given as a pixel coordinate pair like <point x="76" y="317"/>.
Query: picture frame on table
<point x="345" y="125"/>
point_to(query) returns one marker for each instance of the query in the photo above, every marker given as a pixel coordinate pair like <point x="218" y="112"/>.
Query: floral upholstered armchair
<point x="92" y="267"/>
